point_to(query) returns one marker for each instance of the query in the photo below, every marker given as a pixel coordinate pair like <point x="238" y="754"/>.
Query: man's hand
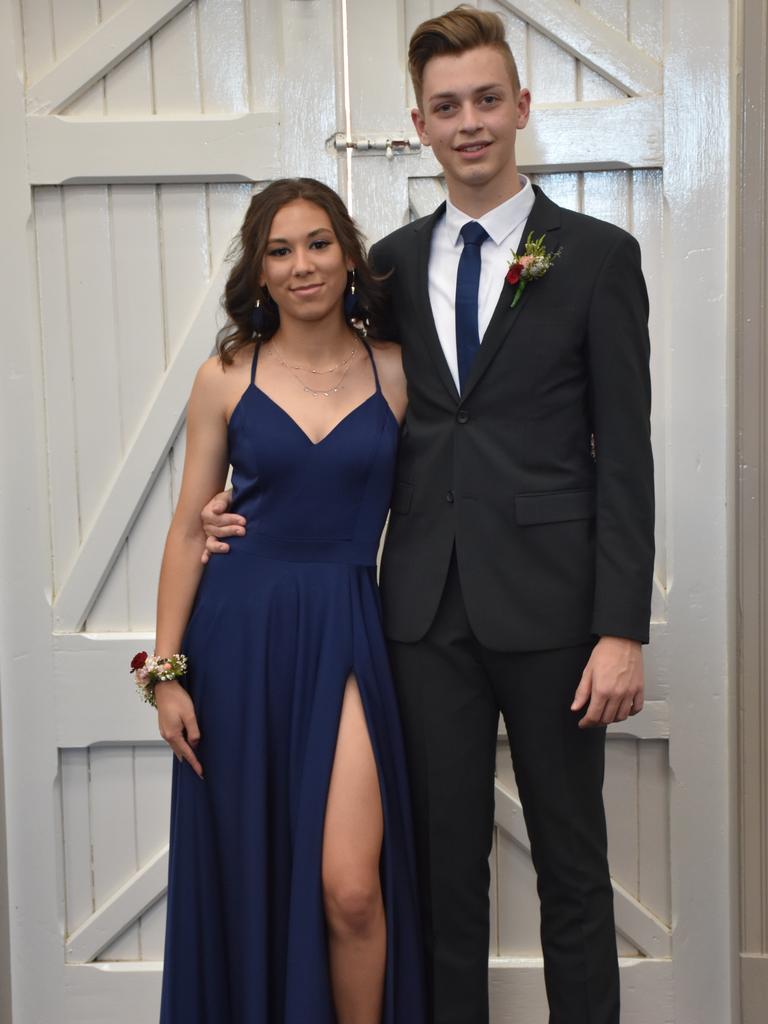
<point x="612" y="682"/>
<point x="218" y="522"/>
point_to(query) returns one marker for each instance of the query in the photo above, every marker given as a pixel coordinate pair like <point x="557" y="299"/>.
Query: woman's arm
<point x="205" y="470"/>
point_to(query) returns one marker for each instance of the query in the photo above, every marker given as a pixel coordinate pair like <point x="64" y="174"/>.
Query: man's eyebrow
<point x="480" y="89"/>
<point x="284" y="241"/>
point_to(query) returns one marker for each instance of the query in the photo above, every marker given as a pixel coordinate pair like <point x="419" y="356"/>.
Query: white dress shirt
<point x="504" y="225"/>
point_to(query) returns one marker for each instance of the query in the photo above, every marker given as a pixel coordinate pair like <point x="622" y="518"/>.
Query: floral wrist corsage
<point x="151" y="670"/>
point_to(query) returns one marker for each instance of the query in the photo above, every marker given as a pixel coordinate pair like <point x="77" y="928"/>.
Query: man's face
<point x="470" y="116"/>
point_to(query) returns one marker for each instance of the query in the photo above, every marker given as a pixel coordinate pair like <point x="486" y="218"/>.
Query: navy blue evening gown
<point x="277" y="626"/>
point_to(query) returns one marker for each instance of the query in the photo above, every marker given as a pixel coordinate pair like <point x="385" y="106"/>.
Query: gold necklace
<point x="310" y="369"/>
<point x="321" y="392"/>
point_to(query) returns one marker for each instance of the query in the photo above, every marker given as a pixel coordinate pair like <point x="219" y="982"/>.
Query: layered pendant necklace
<point x="342" y="368"/>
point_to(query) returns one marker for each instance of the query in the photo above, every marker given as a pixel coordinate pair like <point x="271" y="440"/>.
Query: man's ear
<point x="420" y="125"/>
<point x="523" y="108"/>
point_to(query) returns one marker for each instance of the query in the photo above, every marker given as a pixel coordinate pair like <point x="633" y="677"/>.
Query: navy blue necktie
<point x="467" y="283"/>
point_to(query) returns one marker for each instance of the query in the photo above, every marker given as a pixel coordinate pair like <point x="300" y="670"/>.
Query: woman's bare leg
<point x="354" y="909"/>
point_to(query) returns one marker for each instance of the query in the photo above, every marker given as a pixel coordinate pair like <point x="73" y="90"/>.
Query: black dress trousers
<point x="451" y="690"/>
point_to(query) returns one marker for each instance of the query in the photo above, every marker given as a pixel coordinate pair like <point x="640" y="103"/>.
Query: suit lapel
<point x="544" y="219"/>
<point x="424" y="242"/>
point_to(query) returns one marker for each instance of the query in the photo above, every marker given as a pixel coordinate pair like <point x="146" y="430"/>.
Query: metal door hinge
<point x="375" y="144"/>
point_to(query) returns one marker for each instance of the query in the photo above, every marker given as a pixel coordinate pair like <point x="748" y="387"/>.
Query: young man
<point x="516" y="574"/>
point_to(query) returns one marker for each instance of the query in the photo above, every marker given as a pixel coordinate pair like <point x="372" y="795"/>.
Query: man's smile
<point x="472" y="148"/>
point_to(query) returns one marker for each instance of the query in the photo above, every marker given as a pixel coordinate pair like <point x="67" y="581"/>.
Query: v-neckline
<point x="301" y="430"/>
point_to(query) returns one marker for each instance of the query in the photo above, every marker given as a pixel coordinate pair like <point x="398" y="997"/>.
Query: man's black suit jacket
<point x="541" y="473"/>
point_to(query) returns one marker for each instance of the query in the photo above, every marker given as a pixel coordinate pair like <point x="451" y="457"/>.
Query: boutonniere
<point x="534" y="263"/>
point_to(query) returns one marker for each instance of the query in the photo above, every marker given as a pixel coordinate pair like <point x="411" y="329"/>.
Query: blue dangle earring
<point x="352" y="310"/>
<point x="258" y="318"/>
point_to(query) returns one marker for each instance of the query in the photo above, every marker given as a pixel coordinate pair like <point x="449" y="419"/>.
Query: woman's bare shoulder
<point x="215" y="373"/>
<point x="389" y="363"/>
<point x="389" y="359"/>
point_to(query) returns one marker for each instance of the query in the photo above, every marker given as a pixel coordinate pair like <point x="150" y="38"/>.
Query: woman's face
<point x="304" y="267"/>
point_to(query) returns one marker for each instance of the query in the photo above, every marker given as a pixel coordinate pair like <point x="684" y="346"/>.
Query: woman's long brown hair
<point x="243" y="289"/>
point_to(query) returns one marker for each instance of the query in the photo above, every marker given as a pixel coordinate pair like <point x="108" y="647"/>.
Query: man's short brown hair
<point x="464" y="28"/>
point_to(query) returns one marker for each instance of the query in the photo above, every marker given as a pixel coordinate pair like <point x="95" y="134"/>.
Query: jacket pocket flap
<point x="554" y="506"/>
<point x="402" y="496"/>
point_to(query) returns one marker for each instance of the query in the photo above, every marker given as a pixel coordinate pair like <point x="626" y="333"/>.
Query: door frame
<point x="751" y="460"/>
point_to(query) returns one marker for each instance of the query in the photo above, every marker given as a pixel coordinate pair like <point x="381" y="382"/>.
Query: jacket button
<point x="462" y="416"/>
<point x="449" y="497"/>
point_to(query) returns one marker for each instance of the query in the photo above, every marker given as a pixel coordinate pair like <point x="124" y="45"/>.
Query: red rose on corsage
<point x="152" y="670"/>
<point x="139" y="660"/>
<point x="534" y="263"/>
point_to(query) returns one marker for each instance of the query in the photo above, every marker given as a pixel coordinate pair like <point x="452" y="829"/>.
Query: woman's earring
<point x="258" y="319"/>
<point x="351" y="304"/>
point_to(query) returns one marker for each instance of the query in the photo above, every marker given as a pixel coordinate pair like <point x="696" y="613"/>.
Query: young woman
<point x="291" y="896"/>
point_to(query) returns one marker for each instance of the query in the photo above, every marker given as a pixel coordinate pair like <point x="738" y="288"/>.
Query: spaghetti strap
<point x="373" y="364"/>
<point x="255" y="359"/>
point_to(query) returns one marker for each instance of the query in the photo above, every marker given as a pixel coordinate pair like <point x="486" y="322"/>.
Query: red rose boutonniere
<point x="534" y="263"/>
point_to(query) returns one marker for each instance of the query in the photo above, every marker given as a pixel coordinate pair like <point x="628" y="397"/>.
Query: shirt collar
<point x="499" y="222"/>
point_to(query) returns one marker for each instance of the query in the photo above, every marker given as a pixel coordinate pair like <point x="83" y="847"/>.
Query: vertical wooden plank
<point x="75" y="800"/>
<point x="378" y="189"/>
<point x="140" y="326"/>
<point x="185" y="257"/>
<point x="227" y="205"/>
<point x="175" y="65"/>
<point x="88" y="230"/>
<point x="493" y="897"/>
<point x="620" y="796"/>
<point x="223" y="56"/>
<point x="699" y="322"/>
<point x="563" y="189"/>
<point x="29" y="750"/>
<point x="518" y="914"/>
<point x="646" y="26"/>
<point x="145" y="551"/>
<point x="153" y="766"/>
<point x="606" y="195"/>
<point x="416" y="11"/>
<point x="264" y="54"/>
<point x="61" y="431"/>
<point x="96" y="372"/>
<point x="73" y="22"/>
<point x="113" y="835"/>
<point x="614" y="13"/>
<point x="138" y="288"/>
<point x="309" y="106"/>
<point x="653" y="839"/>
<point x="647" y="227"/>
<point x="621" y="809"/>
<point x="109" y="612"/>
<point x="39" y="49"/>
<point x="751" y="275"/>
<point x="128" y="87"/>
<point x="517" y="36"/>
<point x="551" y="71"/>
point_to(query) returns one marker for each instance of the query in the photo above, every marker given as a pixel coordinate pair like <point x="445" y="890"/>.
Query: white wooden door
<point x="137" y="130"/>
<point x="133" y="131"/>
<point x="620" y="130"/>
